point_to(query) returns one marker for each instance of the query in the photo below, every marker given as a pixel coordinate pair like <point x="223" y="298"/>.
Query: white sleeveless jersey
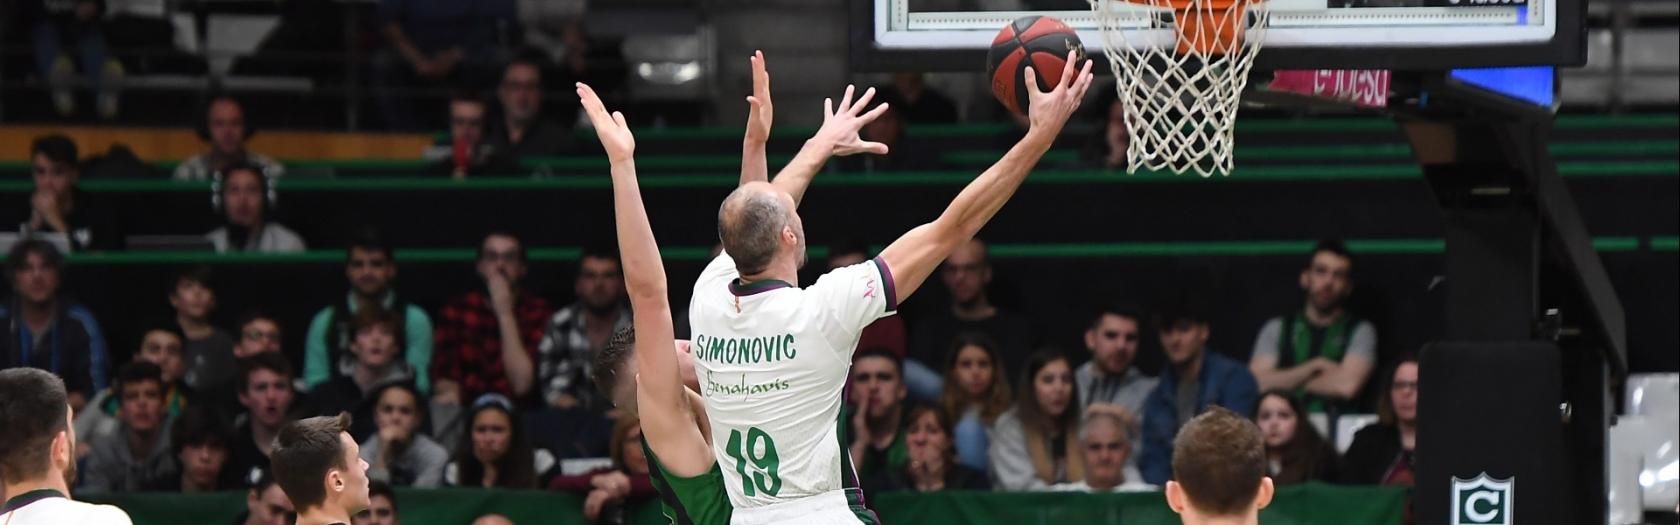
<point x="773" y="360"/>
<point x="60" y="511"/>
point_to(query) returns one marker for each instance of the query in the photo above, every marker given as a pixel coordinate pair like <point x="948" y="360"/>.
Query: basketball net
<point x="1181" y="98"/>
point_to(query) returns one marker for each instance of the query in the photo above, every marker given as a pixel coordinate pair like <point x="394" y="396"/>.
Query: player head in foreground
<point x="38" y="454"/>
<point x="1219" y="470"/>
<point x="320" y="468"/>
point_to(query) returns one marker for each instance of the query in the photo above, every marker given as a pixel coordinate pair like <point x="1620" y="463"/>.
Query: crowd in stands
<point x="491" y="389"/>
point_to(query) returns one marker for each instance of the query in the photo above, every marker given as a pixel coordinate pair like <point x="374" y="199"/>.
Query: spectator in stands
<point x="966" y="273"/>
<point x="1295" y="453"/>
<point x="1219" y="470"/>
<point x="200" y="443"/>
<point x="433" y="44"/>
<point x="1321" y="352"/>
<point x="375" y="343"/>
<point x="921" y="104"/>
<point x="1107" y="149"/>
<point x="64" y="28"/>
<point x="877" y="412"/>
<point x="522" y="131"/>
<point x="138" y="455"/>
<point x="246" y="198"/>
<point x="266" y="504"/>
<point x="495" y="452"/>
<point x="1036" y="443"/>
<point x="1195" y="378"/>
<point x="1110" y="378"/>
<point x="399" y="453"/>
<point x="886" y="332"/>
<point x="581" y="329"/>
<point x="976" y="393"/>
<point x="371" y="267"/>
<point x="382" y="504"/>
<point x="45" y="329"/>
<point x="258" y="333"/>
<point x="160" y="345"/>
<point x="608" y="491"/>
<point x="59" y="206"/>
<point x="1107" y="449"/>
<point x="1381" y="454"/>
<point x="468" y="154"/>
<point x="487" y="339"/>
<point x="932" y="464"/>
<point x="265" y="389"/>
<point x="223" y="125"/>
<point x="208" y="350"/>
<point x="903" y="152"/>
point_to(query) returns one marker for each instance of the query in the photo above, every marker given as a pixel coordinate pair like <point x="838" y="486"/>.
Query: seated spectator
<point x="886" y="332"/>
<point x="609" y="491"/>
<point x="433" y="44"/>
<point x="1106" y="149"/>
<point x="1195" y="378"/>
<point x="976" y="392"/>
<point x="467" y="153"/>
<point x="245" y="197"/>
<point x="138" y="455"/>
<point x="45" y="329"/>
<point x="208" y="350"/>
<point x="265" y="390"/>
<point x="521" y="131"/>
<point x="1110" y="377"/>
<point x="1107" y="448"/>
<point x="1381" y="454"/>
<point x="932" y="464"/>
<point x="266" y="504"/>
<point x="920" y="104"/>
<point x="161" y="345"/>
<point x="495" y="452"/>
<point x="382" y="506"/>
<point x="59" y="206"/>
<point x="877" y="412"/>
<point x="966" y="274"/>
<point x="75" y="28"/>
<point x="222" y="124"/>
<point x="487" y="339"/>
<point x="903" y="153"/>
<point x="376" y="340"/>
<point x="258" y="333"/>
<point x="200" y="443"/>
<point x="576" y="332"/>
<point x="1321" y="353"/>
<point x="1036" y="443"/>
<point x="1219" y="470"/>
<point x="371" y="267"/>
<point x="399" y="453"/>
<point x="1295" y="453"/>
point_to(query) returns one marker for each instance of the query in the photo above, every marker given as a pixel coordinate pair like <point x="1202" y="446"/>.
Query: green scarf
<point x="1332" y="348"/>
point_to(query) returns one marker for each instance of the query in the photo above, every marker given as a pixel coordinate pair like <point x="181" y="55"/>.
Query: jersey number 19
<point x="764" y="476"/>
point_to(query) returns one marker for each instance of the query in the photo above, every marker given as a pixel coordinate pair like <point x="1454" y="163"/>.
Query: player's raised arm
<point x="754" y="166"/>
<point x="913" y="257"/>
<point x="837" y="136"/>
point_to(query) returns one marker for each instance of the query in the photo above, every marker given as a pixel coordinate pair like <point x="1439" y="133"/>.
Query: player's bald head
<point x="750" y="224"/>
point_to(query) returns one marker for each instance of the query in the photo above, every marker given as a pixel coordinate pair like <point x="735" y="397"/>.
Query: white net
<point x="1181" y="93"/>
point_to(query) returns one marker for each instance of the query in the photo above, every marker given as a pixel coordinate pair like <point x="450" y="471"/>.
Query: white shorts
<point x="828" y="508"/>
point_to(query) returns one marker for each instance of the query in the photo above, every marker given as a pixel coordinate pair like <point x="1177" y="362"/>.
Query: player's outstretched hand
<point x="759" y="116"/>
<point x="841" y="124"/>
<point x="614" y="133"/>
<point x="1048" y="111"/>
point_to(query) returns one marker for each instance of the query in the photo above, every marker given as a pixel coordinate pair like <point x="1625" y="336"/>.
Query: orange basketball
<point x="1039" y="41"/>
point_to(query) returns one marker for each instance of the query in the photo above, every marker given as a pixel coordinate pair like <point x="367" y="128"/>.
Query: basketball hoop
<point x="1181" y="99"/>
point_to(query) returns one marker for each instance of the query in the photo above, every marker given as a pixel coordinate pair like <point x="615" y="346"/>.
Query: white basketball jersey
<point x="61" y="511"/>
<point x="773" y="360"/>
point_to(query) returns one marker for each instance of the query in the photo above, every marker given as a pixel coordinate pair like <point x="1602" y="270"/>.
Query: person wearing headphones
<point x="224" y="126"/>
<point x="245" y="197"/>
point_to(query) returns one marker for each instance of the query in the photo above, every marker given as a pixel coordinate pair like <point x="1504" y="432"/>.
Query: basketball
<point x="1038" y="41"/>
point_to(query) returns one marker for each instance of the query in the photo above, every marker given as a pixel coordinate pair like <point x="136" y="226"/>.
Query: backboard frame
<point x="1566" y="47"/>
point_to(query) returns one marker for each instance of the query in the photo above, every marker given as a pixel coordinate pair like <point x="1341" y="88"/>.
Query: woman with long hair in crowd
<point x="976" y="393"/>
<point x="1036" y="443"/>
<point x="933" y="464"/>
<point x="1295" y="452"/>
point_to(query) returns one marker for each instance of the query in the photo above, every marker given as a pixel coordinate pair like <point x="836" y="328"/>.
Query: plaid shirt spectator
<point x="469" y="345"/>
<point x="564" y="357"/>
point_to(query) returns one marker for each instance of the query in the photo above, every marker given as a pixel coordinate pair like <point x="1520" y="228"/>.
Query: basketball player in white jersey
<point x="38" y="454"/>
<point x="773" y="357"/>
